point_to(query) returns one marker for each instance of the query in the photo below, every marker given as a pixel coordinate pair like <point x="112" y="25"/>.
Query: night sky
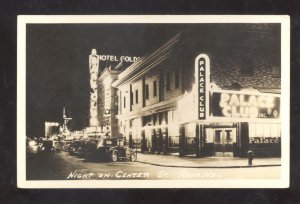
<point x="57" y="72"/>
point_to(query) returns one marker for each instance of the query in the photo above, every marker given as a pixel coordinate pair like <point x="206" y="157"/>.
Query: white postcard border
<point x="283" y="182"/>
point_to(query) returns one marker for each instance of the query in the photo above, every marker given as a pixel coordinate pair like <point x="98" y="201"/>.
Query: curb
<point x="210" y="167"/>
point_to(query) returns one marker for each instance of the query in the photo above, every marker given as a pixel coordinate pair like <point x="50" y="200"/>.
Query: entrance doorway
<point x="223" y="141"/>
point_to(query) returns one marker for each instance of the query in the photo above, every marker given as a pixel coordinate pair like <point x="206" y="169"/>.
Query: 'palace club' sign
<point x="240" y="105"/>
<point x="202" y="74"/>
<point x="198" y="98"/>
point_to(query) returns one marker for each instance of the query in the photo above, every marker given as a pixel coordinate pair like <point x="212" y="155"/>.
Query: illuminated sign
<point x="94" y="68"/>
<point x="198" y="98"/>
<point x="51" y="129"/>
<point x="114" y="58"/>
<point x="202" y="77"/>
<point x="237" y="105"/>
<point x="107" y="94"/>
<point x="264" y="140"/>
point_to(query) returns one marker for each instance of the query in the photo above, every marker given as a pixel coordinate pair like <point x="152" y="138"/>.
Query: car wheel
<point x="114" y="156"/>
<point x="133" y="157"/>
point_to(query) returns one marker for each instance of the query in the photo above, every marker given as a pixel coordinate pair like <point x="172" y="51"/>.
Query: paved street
<point x="62" y="166"/>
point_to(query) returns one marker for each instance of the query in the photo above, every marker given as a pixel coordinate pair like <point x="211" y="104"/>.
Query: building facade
<point x="206" y="94"/>
<point x="108" y="103"/>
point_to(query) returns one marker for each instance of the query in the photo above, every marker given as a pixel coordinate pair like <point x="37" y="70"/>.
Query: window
<point x="247" y="67"/>
<point x="147" y="91"/>
<point x="154" y="89"/>
<point x="218" y="135"/>
<point x="168" y="80"/>
<point x="124" y="102"/>
<point x="228" y="135"/>
<point x="176" y="79"/>
<point x="264" y="130"/>
<point x="136" y="96"/>
<point x="131" y="98"/>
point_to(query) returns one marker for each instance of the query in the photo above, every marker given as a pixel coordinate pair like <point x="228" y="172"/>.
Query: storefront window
<point x="275" y="130"/>
<point x="218" y="135"/>
<point x="259" y="130"/>
<point x="264" y="130"/>
<point x="173" y="127"/>
<point x="228" y="135"/>
<point x="209" y="135"/>
<point x="173" y="141"/>
<point x="267" y="130"/>
<point x="190" y="130"/>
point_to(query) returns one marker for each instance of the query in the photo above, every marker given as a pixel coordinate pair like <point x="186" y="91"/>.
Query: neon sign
<point x="236" y="105"/>
<point x="202" y="74"/>
<point x="114" y="58"/>
<point x="94" y="67"/>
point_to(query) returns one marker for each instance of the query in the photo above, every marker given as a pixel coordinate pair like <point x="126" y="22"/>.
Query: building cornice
<point x="146" y="63"/>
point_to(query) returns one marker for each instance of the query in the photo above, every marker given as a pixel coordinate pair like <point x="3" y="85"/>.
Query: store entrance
<point x="223" y="141"/>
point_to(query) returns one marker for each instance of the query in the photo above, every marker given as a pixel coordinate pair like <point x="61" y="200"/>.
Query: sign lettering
<point x="264" y="140"/>
<point x="202" y="71"/>
<point x="114" y="58"/>
<point x="236" y="105"/>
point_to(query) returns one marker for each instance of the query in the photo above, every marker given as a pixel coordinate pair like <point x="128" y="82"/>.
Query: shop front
<point x="158" y="133"/>
<point x="223" y="140"/>
<point x="227" y="123"/>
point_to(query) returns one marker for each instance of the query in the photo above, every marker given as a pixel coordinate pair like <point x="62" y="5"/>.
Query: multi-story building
<point x="210" y="91"/>
<point x="103" y="97"/>
<point x="108" y="103"/>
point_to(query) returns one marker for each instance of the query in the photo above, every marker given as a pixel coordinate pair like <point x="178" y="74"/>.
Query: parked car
<point x="66" y="146"/>
<point x="47" y="146"/>
<point x="112" y="149"/>
<point x="77" y="148"/>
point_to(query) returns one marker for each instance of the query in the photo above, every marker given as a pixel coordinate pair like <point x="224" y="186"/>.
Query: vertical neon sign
<point x="202" y="75"/>
<point x="94" y="67"/>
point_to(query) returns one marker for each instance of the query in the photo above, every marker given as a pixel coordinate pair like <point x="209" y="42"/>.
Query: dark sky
<point x="57" y="70"/>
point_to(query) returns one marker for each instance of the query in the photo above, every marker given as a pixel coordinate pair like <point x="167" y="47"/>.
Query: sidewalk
<point x="206" y="162"/>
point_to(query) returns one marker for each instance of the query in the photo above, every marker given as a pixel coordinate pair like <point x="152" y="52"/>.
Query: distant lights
<point x="47" y="124"/>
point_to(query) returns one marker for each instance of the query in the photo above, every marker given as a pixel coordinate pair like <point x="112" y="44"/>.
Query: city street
<point x="62" y="166"/>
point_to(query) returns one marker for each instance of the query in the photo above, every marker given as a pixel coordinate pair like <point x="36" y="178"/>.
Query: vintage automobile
<point x="47" y="146"/>
<point x="66" y="146"/>
<point x="76" y="148"/>
<point x="112" y="149"/>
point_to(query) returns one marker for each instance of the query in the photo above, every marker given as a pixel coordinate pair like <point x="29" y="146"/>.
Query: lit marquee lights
<point x="107" y="94"/>
<point x="247" y="106"/>
<point x="94" y="67"/>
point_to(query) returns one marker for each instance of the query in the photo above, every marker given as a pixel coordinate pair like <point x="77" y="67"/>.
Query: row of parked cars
<point x="112" y="149"/>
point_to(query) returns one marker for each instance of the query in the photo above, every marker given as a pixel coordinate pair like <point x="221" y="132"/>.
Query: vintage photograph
<point x="153" y="101"/>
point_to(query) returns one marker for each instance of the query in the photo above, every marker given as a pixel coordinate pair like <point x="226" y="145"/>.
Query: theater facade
<point x="205" y="94"/>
